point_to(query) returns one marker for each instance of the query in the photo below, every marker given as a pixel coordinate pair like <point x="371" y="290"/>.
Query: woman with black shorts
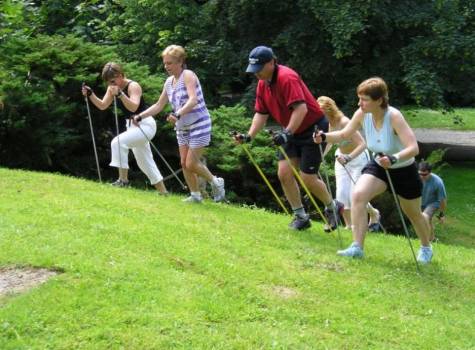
<point x="394" y="145"/>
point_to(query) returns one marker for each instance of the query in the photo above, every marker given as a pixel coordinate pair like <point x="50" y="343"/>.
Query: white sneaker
<point x="192" y="199"/>
<point x="425" y="255"/>
<point x="218" y="190"/>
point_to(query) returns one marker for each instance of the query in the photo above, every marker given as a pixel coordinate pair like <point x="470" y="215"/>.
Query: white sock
<point x="214" y="181"/>
<point x="196" y="194"/>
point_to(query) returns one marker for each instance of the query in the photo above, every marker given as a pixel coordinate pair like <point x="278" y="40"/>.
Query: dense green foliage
<point x="165" y="275"/>
<point x="425" y="50"/>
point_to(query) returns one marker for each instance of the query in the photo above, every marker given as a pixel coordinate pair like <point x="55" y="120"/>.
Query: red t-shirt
<point x="286" y="88"/>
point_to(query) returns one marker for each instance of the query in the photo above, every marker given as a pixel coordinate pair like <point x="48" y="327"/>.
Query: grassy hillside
<point x="460" y="220"/>
<point x="458" y="119"/>
<point x="148" y="272"/>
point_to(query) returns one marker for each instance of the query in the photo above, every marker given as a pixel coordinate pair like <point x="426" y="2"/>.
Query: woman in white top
<point x="351" y="157"/>
<point x="394" y="144"/>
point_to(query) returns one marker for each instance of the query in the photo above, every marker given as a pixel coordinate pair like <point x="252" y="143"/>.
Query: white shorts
<point x="345" y="178"/>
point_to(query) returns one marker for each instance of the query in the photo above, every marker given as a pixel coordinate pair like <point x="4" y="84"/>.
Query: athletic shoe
<point x="218" y="190"/>
<point x="120" y="183"/>
<point x="193" y="199"/>
<point x="374" y="227"/>
<point x="425" y="255"/>
<point x="353" y="251"/>
<point x="330" y="216"/>
<point x="299" y="223"/>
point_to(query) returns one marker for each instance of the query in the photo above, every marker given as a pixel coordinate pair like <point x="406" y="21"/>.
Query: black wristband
<point x="392" y="159"/>
<point x="176" y="115"/>
<point x="323" y="136"/>
<point x="440" y="215"/>
<point x="139" y="118"/>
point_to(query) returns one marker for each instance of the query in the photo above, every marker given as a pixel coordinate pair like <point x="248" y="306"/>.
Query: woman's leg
<point x="412" y="209"/>
<point x="143" y="153"/>
<point x="194" y="164"/>
<point x="367" y="187"/>
<point x="190" y="176"/>
<point x="120" y="156"/>
<point x="344" y="188"/>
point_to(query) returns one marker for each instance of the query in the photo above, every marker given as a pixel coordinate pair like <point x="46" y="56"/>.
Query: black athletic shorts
<point x="406" y="180"/>
<point x="302" y="146"/>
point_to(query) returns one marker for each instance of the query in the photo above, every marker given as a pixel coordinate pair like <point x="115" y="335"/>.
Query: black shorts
<point x="301" y="146"/>
<point x="406" y="180"/>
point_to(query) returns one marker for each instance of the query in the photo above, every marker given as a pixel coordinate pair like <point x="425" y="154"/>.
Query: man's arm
<point x="299" y="111"/>
<point x="258" y="122"/>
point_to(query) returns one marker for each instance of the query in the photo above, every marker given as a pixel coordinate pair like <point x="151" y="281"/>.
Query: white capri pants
<point x="344" y="185"/>
<point x="134" y="139"/>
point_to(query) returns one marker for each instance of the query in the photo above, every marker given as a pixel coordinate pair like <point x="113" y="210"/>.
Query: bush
<point x="44" y="123"/>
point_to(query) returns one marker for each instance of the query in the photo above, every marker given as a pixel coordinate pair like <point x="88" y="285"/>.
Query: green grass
<point x="458" y="119"/>
<point x="458" y="228"/>
<point x="147" y="272"/>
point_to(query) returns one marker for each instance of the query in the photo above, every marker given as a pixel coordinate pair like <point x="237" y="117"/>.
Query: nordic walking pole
<point x="92" y="136"/>
<point x="162" y="157"/>
<point x="330" y="192"/>
<point x="117" y="130"/>
<point x="369" y="206"/>
<point x="302" y="183"/>
<point x="400" y="214"/>
<point x="259" y="170"/>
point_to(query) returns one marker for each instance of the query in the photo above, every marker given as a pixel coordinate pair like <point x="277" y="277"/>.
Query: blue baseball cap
<point x="258" y="57"/>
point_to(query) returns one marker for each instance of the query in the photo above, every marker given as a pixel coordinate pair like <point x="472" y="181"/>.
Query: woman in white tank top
<point x="394" y="144"/>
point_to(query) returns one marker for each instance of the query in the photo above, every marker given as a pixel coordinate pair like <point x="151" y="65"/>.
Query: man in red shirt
<point x="282" y="94"/>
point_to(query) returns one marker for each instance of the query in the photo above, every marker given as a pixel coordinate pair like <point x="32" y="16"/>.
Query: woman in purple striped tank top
<point x="192" y="122"/>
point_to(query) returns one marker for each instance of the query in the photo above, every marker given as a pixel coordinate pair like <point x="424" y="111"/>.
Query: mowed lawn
<point x="147" y="272"/>
<point x="456" y="119"/>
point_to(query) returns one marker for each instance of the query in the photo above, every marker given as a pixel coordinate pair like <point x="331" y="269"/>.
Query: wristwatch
<point x="176" y="115"/>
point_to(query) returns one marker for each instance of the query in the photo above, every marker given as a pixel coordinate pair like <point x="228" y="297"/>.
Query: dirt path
<point x="449" y="137"/>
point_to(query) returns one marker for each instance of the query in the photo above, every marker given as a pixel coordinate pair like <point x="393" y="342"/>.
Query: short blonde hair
<point x="176" y="51"/>
<point x="375" y="88"/>
<point x="329" y="106"/>
<point x="111" y="70"/>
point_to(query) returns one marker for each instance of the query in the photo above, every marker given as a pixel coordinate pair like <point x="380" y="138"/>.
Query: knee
<point x="285" y="175"/>
<point x="358" y="197"/>
<point x="308" y="179"/>
<point x="183" y="164"/>
<point x="191" y="164"/>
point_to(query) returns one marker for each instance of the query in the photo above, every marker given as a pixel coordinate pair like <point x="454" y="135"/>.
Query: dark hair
<point x="111" y="70"/>
<point x="424" y="166"/>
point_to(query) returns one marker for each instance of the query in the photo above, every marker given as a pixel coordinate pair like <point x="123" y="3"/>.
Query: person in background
<point x="434" y="197"/>
<point x="192" y="121"/>
<point x="282" y="94"/>
<point x="351" y="157"/>
<point x="394" y="146"/>
<point x="128" y="94"/>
